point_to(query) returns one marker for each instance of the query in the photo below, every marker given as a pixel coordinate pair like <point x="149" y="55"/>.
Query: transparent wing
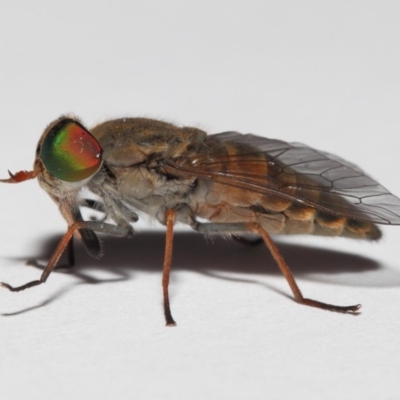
<point x="292" y="171"/>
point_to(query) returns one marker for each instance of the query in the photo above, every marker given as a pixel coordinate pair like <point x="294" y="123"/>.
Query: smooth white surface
<point x="325" y="73"/>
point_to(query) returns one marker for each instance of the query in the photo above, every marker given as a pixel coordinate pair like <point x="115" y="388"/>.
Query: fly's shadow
<point x="217" y="257"/>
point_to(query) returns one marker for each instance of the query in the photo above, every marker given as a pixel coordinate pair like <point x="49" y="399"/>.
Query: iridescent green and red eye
<point x="69" y="152"/>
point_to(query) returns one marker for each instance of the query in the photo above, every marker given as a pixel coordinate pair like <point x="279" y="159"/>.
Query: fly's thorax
<point x="131" y="141"/>
<point x="135" y="150"/>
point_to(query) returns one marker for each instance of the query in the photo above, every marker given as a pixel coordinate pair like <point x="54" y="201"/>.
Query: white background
<point x="325" y="73"/>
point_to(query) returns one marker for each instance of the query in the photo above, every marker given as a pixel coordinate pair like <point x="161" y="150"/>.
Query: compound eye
<point x="69" y="152"/>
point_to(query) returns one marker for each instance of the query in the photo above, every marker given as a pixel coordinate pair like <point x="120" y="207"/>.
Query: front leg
<point x="89" y="238"/>
<point x="115" y="230"/>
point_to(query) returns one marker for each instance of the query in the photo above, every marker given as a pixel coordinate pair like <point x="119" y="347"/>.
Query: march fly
<point x="226" y="183"/>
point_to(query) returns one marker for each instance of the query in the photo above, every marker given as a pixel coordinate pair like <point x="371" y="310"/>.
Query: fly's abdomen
<point x="219" y="203"/>
<point x="251" y="187"/>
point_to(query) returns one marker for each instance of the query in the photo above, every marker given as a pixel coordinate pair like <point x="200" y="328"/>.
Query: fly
<point x="237" y="183"/>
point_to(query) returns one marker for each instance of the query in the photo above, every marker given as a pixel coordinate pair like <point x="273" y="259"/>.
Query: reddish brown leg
<point x="120" y="231"/>
<point x="52" y="262"/>
<point x="253" y="227"/>
<point x="170" y="219"/>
